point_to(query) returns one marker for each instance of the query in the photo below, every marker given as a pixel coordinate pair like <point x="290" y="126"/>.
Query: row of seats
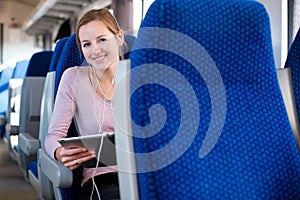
<point x="211" y="123"/>
<point x="23" y="103"/>
<point x="65" y="49"/>
<point x="28" y="99"/>
<point x="25" y="93"/>
<point x="8" y="73"/>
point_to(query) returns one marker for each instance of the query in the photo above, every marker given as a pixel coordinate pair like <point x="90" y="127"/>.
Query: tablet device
<point x="92" y="143"/>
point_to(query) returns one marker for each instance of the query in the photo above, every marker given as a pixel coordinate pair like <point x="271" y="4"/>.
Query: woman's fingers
<point x="72" y="151"/>
<point x="72" y="158"/>
<point x="77" y="162"/>
<point x="73" y="164"/>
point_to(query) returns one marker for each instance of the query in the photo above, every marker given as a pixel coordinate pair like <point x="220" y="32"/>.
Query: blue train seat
<point x="28" y="113"/>
<point x="208" y="118"/>
<point x="129" y="40"/>
<point x="57" y="53"/>
<point x="6" y="74"/>
<point x="70" y="51"/>
<point x="66" y="184"/>
<point x="17" y="72"/>
<point x="48" y="93"/>
<point x="21" y="69"/>
<point x="14" y="91"/>
<point x="28" y="144"/>
<point x="14" y="102"/>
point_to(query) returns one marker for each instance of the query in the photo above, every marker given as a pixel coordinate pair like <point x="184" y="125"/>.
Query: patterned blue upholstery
<point x="70" y="56"/>
<point x="33" y="167"/>
<point x="201" y="49"/>
<point x="57" y="52"/>
<point x="293" y="61"/>
<point x="129" y="40"/>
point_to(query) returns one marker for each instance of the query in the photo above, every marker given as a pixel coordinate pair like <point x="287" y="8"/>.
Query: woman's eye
<point x="85" y="45"/>
<point x="101" y="40"/>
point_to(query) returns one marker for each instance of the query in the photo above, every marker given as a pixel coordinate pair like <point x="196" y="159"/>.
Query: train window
<point x="139" y="11"/>
<point x="39" y="41"/>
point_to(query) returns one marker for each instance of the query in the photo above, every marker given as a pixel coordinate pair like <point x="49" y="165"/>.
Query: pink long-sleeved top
<point x="77" y="98"/>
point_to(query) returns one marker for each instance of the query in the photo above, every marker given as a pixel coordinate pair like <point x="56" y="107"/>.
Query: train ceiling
<point x="42" y="16"/>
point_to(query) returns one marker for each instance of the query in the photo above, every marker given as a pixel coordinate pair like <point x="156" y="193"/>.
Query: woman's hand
<point x="73" y="157"/>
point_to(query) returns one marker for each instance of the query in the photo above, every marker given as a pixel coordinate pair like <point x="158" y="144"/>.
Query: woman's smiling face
<point x="100" y="46"/>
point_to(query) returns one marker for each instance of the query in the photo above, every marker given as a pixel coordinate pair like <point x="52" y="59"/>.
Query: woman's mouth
<point x="99" y="58"/>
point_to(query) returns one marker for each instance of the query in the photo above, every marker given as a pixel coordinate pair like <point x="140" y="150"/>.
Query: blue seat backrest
<point x="6" y="74"/>
<point x="20" y="69"/>
<point x="57" y="52"/>
<point x="209" y="118"/>
<point x="70" y="57"/>
<point x="4" y="81"/>
<point x="129" y="40"/>
<point x="293" y="61"/>
<point x="39" y="64"/>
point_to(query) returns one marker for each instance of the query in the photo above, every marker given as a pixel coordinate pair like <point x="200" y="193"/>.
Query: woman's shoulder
<point x="75" y="71"/>
<point x="73" y="74"/>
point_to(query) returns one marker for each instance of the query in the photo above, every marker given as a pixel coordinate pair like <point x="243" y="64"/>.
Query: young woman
<point x="86" y="94"/>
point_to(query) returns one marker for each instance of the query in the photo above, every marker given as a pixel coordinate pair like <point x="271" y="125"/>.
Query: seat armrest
<point x="11" y="129"/>
<point x="56" y="172"/>
<point x="28" y="144"/>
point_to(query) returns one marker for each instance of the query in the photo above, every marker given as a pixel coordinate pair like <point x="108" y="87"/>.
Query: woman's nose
<point x="96" y="48"/>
